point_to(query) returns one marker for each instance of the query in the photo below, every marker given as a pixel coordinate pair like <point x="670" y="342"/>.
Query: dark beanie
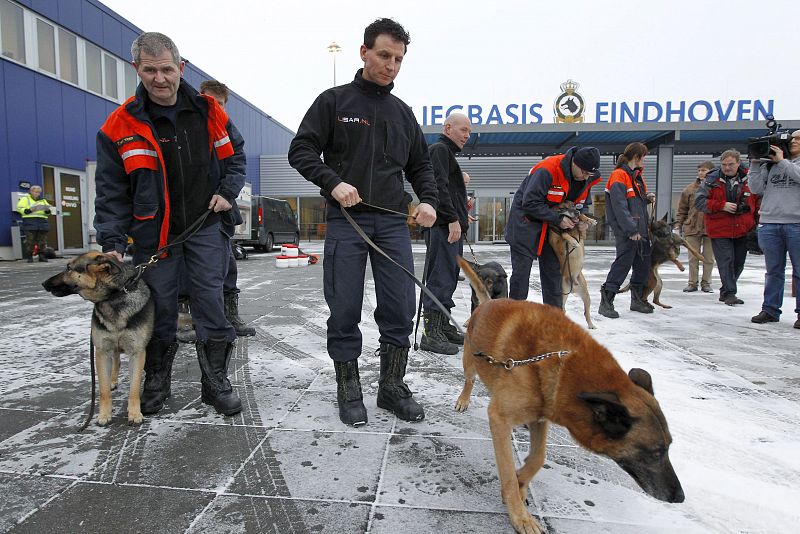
<point x="587" y="158"/>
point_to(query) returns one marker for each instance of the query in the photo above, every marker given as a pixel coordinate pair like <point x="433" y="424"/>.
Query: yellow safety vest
<point x="27" y="202"/>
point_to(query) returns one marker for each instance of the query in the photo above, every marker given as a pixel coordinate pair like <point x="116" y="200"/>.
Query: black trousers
<point x="730" y="255"/>
<point x="442" y="276"/>
<point x="549" y="275"/>
<point x="630" y="254"/>
<point x="344" y="269"/>
<point x="205" y="256"/>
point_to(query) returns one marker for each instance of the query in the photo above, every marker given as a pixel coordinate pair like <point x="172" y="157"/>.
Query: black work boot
<point x="348" y="393"/>
<point x="393" y="393"/>
<point x="607" y="304"/>
<point x="232" y="315"/>
<point x="450" y="332"/>
<point x="157" y="375"/>
<point x="433" y="339"/>
<point x="638" y="303"/>
<point x="42" y="258"/>
<point x="214" y="356"/>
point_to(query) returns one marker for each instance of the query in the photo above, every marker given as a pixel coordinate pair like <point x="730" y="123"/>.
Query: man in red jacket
<point x="729" y="209"/>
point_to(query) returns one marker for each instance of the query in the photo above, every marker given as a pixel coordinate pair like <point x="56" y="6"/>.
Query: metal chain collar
<point x="510" y="363"/>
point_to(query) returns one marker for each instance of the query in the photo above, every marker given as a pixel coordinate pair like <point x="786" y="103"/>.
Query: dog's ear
<point x="641" y="378"/>
<point x="664" y="218"/>
<point x="104" y="262"/>
<point x="609" y="413"/>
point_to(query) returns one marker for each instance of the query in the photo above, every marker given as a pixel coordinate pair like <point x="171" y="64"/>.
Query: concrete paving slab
<point x="729" y="389"/>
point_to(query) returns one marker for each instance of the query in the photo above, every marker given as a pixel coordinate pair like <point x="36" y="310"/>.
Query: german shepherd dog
<point x="569" y="248"/>
<point x="122" y="321"/>
<point x="494" y="279"/>
<point x="666" y="247"/>
<point x="540" y="367"/>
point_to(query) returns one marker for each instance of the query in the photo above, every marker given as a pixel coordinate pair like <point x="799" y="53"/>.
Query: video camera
<point x="758" y="148"/>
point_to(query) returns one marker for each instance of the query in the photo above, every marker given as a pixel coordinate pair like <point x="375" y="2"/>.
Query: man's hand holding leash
<point x="425" y="215"/>
<point x="346" y="195"/>
<point x="218" y="203"/>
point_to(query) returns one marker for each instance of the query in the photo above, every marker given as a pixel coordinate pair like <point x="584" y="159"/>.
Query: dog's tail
<point x="624" y="289"/>
<point x="474" y="281"/>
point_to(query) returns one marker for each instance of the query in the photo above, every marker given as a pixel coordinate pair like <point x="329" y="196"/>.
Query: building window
<point x="12" y="34"/>
<point x="94" y="69"/>
<point x="68" y="56"/>
<point x="46" y="41"/>
<point x="110" y="76"/>
<point x="131" y="80"/>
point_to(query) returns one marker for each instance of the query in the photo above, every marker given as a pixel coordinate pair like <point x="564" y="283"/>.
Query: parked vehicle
<point x="272" y="222"/>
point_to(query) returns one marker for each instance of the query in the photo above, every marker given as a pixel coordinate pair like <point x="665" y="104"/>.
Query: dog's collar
<point x="133" y="281"/>
<point x="510" y="363"/>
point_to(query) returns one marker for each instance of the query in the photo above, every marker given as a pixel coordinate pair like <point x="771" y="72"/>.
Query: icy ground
<point x="729" y="389"/>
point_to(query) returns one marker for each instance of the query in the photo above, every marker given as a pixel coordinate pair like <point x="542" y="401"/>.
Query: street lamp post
<point x="334" y="48"/>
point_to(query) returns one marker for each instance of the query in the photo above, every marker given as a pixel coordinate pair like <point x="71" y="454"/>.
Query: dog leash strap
<point x="510" y="363"/>
<point x="380" y="251"/>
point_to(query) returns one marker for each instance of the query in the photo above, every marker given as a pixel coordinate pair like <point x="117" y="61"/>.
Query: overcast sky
<point x="275" y="55"/>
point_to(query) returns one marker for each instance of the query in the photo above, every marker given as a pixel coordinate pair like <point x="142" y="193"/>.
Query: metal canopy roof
<point x="546" y="139"/>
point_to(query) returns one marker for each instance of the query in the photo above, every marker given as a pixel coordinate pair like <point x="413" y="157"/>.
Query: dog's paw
<point x="462" y="404"/>
<point x="103" y="419"/>
<point x="591" y="326"/>
<point x="114" y="386"/>
<point x="135" y="418"/>
<point x="524" y="523"/>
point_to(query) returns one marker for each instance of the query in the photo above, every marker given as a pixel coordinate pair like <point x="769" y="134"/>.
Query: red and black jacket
<point x="546" y="185"/>
<point x="714" y="192"/>
<point x="133" y="183"/>
<point x="626" y="202"/>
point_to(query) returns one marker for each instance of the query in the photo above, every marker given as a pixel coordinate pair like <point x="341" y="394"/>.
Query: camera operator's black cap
<point x="587" y="158"/>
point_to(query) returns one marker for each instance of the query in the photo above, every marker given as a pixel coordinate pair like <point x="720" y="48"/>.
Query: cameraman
<point x="729" y="209"/>
<point x="779" y="226"/>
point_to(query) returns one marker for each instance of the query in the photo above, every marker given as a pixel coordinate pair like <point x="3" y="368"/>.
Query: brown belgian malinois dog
<point x="122" y="321"/>
<point x="541" y="367"/>
<point x="570" y="251"/>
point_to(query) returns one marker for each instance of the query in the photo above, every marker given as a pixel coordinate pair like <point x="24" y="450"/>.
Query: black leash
<point x="130" y="285"/>
<point x="424" y="279"/>
<point x="378" y="249"/>
<point x="94" y="395"/>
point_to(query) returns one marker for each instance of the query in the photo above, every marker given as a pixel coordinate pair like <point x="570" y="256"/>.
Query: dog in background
<point x="122" y="321"/>
<point x="494" y="279"/>
<point x="666" y="247"/>
<point x="568" y="244"/>
<point x="540" y="367"/>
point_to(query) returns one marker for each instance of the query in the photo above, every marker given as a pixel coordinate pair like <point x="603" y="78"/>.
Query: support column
<point x="664" y="166"/>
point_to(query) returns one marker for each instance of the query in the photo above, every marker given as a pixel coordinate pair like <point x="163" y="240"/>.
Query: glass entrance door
<point x="66" y="190"/>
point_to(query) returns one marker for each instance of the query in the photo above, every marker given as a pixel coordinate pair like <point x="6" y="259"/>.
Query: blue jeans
<point x="344" y="265"/>
<point x="776" y="240"/>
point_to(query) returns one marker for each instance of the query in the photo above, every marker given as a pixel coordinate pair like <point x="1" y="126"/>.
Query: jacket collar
<point x="449" y="143"/>
<point x="371" y="87"/>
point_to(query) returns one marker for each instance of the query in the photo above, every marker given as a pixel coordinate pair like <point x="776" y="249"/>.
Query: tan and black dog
<point x="540" y="367"/>
<point x="122" y="321"/>
<point x="666" y="247"/>
<point x="570" y="251"/>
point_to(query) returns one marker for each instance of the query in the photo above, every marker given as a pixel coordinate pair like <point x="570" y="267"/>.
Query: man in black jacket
<point x="369" y="140"/>
<point x="444" y="238"/>
<point x="164" y="158"/>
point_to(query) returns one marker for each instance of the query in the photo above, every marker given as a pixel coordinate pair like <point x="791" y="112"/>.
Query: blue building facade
<point x="64" y="67"/>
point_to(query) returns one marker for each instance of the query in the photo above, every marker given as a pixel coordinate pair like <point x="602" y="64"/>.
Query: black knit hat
<point x="587" y="158"/>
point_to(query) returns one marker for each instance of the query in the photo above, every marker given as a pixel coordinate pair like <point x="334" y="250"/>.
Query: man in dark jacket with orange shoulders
<point x="729" y="208"/>
<point x="164" y="158"/>
<point x="567" y="176"/>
